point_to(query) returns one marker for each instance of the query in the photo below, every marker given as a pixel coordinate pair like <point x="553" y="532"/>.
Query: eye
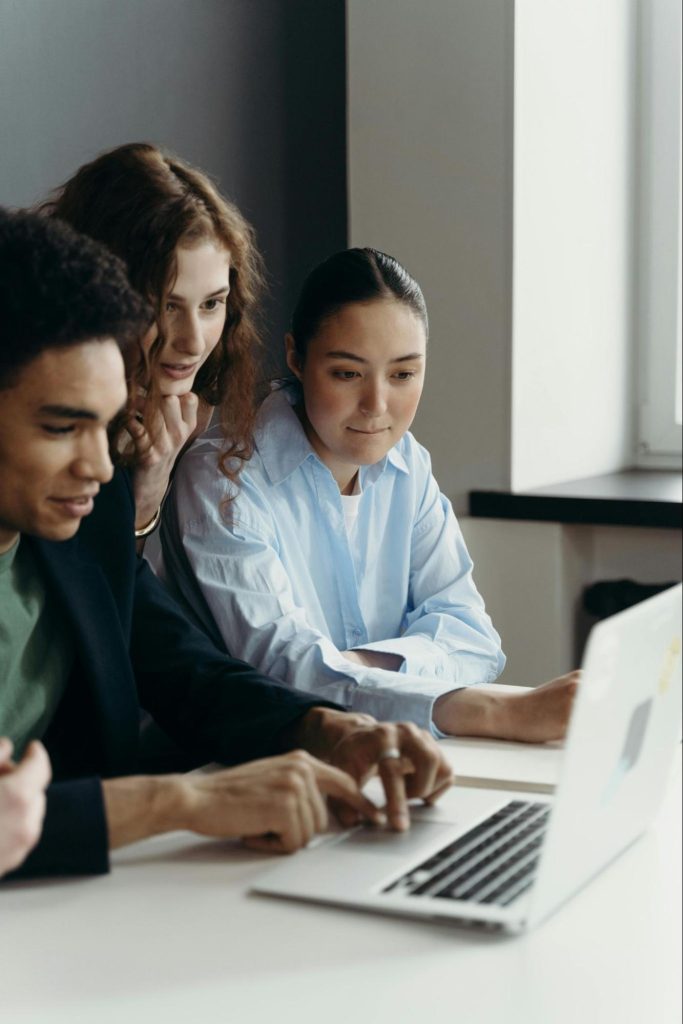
<point x="404" y="375"/>
<point x="170" y="307"/>
<point x="345" y="374"/>
<point x="56" y="431"/>
<point x="211" y="305"/>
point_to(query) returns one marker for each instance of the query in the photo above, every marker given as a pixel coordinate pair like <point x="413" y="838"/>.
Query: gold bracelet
<point x="151" y="526"/>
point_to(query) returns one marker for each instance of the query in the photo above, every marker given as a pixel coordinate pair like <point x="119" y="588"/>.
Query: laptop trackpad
<point x="358" y="862"/>
<point x="422" y="838"/>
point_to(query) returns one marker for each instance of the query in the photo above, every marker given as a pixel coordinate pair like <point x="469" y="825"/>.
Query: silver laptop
<point x="493" y="859"/>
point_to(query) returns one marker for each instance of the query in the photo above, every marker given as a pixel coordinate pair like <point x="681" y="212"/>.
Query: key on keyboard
<point x="495" y="862"/>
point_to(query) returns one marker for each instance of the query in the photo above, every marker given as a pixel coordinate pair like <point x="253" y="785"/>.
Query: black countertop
<point x="633" y="497"/>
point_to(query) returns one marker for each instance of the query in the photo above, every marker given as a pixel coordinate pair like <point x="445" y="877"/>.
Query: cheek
<point x="326" y="404"/>
<point x="407" y="405"/>
<point x="213" y="333"/>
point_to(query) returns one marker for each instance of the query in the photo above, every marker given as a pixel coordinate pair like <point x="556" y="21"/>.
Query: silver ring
<point x="390" y="752"/>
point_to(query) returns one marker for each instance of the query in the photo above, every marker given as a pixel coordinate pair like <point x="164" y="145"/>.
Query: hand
<point x="157" y="446"/>
<point x="22" y="802"/>
<point x="533" y="716"/>
<point x="421" y="771"/>
<point x="543" y="714"/>
<point x="276" y="804"/>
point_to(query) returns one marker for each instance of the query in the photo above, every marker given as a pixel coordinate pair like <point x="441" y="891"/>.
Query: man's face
<point x="54" y="451"/>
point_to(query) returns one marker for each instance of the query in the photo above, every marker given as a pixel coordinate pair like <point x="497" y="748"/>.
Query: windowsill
<point x="633" y="497"/>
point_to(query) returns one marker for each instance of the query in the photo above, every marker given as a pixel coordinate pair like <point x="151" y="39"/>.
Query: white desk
<point x="171" y="936"/>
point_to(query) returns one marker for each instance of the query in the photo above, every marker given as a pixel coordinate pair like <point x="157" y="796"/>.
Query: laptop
<point x="504" y="861"/>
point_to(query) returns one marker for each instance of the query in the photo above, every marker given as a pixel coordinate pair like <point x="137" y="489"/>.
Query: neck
<point x="350" y="485"/>
<point x="345" y="476"/>
<point x="7" y="541"/>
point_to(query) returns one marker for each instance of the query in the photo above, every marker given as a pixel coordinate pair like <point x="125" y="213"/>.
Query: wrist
<point x="322" y="729"/>
<point x="473" y="712"/>
<point x="145" y="525"/>
<point x="137" y="807"/>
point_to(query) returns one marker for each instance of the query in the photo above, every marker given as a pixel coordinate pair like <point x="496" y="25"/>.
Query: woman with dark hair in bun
<point x="335" y="564"/>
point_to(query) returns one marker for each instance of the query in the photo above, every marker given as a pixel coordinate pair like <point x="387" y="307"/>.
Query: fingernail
<point x="401" y="822"/>
<point x="380" y="819"/>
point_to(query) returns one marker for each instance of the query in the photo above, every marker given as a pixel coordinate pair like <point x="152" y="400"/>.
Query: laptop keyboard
<point x="495" y="862"/>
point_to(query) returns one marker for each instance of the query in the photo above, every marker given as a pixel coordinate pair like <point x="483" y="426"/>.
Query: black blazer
<point x="135" y="648"/>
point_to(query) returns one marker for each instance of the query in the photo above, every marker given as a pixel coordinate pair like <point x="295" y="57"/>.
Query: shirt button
<point x="356" y="633"/>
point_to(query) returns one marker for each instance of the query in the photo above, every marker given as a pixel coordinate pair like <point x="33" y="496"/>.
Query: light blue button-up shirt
<point x="275" y="575"/>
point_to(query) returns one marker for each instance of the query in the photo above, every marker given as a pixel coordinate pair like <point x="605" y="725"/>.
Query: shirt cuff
<point x="400" y="699"/>
<point x="421" y="656"/>
<point x="74" y="839"/>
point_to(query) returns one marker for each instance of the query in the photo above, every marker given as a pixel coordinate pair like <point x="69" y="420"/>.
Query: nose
<point x="373" y="401"/>
<point x="93" y="461"/>
<point x="187" y="338"/>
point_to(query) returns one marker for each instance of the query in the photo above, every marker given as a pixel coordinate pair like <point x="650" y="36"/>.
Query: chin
<point x="175" y="387"/>
<point x="56" y="531"/>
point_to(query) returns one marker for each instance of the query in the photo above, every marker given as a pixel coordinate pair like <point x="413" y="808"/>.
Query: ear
<point x="292" y="356"/>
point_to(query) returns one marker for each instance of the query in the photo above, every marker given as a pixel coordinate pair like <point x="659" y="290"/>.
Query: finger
<point x="6" y="748"/>
<point x="269" y="843"/>
<point x="189" y="405"/>
<point x="170" y="410"/>
<point x="425" y="759"/>
<point x="432" y="797"/>
<point x="317" y="804"/>
<point x="135" y="426"/>
<point x="34" y="768"/>
<point x="393" y="781"/>
<point x="306" y="817"/>
<point x="142" y="440"/>
<point x="338" y="784"/>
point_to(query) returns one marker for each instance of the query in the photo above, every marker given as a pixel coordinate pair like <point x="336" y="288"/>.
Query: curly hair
<point x="59" y="289"/>
<point x="143" y="203"/>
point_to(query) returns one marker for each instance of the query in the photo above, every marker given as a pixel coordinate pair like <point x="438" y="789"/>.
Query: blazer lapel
<point x="101" y="647"/>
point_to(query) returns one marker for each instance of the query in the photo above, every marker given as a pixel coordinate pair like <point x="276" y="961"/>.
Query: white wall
<point x="430" y="161"/>
<point x="533" y="575"/>
<point x="480" y="130"/>
<point x="574" y="208"/>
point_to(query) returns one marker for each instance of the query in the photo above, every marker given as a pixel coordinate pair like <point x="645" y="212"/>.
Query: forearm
<point x="538" y="715"/>
<point x="140" y="806"/>
<point x="473" y="712"/>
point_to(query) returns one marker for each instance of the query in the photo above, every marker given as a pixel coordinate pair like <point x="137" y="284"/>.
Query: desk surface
<point x="172" y="936"/>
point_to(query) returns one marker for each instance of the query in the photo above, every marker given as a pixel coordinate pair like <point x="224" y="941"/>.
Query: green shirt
<point x="36" y="649"/>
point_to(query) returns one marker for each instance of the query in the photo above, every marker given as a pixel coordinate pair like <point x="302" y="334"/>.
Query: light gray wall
<point x="430" y="180"/>
<point x="490" y="149"/>
<point x="249" y="90"/>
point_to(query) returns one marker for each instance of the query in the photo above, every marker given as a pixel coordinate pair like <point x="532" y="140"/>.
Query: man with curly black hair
<point x="88" y="634"/>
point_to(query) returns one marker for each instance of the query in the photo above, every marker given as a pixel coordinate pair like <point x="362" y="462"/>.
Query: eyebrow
<point x="359" y="359"/>
<point x="69" y="412"/>
<point x="219" y="291"/>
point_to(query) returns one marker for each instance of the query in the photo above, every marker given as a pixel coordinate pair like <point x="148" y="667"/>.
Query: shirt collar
<point x="283" y="445"/>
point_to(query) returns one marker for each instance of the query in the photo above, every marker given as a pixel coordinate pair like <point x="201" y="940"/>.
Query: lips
<point x="179" y="371"/>
<point x="368" y="433"/>
<point x="75" y="506"/>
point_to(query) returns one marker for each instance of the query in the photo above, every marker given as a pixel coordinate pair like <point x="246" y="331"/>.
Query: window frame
<point x="658" y="260"/>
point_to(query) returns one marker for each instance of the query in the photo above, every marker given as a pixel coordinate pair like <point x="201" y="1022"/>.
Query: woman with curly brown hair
<point x="192" y="255"/>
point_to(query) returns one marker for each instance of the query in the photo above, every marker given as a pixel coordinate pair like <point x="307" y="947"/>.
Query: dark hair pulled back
<point x="350" y="276"/>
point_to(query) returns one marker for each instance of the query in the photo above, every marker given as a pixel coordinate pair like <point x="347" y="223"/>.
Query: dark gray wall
<point x="252" y="91"/>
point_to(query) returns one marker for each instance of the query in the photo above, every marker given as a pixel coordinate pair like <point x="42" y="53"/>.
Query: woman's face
<point x="192" y="316"/>
<point x="362" y="381"/>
